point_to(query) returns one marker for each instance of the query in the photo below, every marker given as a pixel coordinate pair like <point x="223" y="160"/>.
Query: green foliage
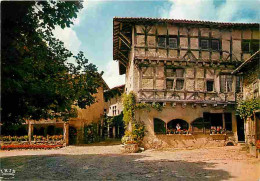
<point x="129" y="103"/>
<point x="138" y="131"/>
<point x="114" y="120"/>
<point x="246" y="108"/>
<point x="129" y="137"/>
<point x="148" y="107"/>
<point x="91" y="134"/>
<point x="138" y="128"/>
<point x="37" y="79"/>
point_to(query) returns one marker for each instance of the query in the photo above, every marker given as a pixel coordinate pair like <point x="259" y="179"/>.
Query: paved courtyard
<point x="97" y="162"/>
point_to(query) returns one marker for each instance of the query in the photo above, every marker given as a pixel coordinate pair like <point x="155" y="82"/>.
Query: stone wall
<point x="187" y="141"/>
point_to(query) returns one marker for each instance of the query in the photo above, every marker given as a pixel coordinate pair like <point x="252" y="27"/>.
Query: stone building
<point x="113" y="101"/>
<point x="249" y="70"/>
<point x="75" y="130"/>
<point x="186" y="67"/>
<point x="114" y="108"/>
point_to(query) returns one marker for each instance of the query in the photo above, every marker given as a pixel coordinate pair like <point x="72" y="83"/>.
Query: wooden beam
<point x="123" y="55"/>
<point x="122" y="39"/>
<point x="128" y="41"/>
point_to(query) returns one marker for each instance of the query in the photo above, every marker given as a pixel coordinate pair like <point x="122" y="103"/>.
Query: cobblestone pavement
<point x="108" y="163"/>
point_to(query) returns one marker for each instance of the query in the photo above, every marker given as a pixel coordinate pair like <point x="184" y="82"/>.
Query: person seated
<point x="178" y="127"/>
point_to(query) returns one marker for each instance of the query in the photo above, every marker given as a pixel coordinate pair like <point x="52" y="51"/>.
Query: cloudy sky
<point x="92" y="31"/>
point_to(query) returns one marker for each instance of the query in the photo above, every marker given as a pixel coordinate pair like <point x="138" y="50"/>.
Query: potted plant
<point x="130" y="143"/>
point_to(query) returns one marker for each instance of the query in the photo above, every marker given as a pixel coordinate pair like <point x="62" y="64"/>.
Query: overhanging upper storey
<point x="183" y="40"/>
<point x="122" y="42"/>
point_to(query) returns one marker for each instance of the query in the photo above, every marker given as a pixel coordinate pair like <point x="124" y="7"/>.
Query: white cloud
<point x="111" y="75"/>
<point x="229" y="10"/>
<point x="69" y="37"/>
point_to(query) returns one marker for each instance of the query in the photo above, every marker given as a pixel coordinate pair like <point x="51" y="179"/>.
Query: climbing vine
<point x="129" y="103"/>
<point x="148" y="107"/>
<point x="247" y="108"/>
<point x="137" y="133"/>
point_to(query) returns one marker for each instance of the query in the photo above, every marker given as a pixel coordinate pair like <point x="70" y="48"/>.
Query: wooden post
<point x="66" y="133"/>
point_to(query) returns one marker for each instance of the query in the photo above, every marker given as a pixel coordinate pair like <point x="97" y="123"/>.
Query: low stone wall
<point x="187" y="141"/>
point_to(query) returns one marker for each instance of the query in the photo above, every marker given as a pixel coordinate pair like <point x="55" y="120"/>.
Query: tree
<point x="246" y="108"/>
<point x="37" y="79"/>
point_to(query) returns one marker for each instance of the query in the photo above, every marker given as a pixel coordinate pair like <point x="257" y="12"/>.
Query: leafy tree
<point x="37" y="79"/>
<point x="247" y="108"/>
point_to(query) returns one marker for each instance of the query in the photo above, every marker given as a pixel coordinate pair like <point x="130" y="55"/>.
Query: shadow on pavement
<point x="109" y="167"/>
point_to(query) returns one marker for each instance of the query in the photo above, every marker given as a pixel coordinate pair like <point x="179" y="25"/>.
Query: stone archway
<point x="183" y="124"/>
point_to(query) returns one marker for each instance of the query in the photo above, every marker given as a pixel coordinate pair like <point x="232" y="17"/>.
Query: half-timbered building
<point x="186" y="67"/>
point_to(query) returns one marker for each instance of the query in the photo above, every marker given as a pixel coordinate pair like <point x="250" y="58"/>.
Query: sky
<point x="92" y="31"/>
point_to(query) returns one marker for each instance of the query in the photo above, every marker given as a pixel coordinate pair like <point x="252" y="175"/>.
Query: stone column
<point x="30" y="130"/>
<point x="108" y="135"/>
<point x="223" y="120"/>
<point x="166" y="128"/>
<point x="114" y="131"/>
<point x="66" y="133"/>
<point x="234" y="125"/>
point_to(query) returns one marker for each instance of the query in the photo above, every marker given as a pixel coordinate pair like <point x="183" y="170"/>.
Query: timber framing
<point x="124" y="42"/>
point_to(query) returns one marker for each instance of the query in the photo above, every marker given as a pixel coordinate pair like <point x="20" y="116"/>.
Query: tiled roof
<point x="183" y="21"/>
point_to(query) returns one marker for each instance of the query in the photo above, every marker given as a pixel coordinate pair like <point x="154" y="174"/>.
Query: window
<point x="254" y="46"/>
<point x="179" y="72"/>
<point x="229" y="80"/>
<point x="173" y="42"/>
<point x="159" y="126"/>
<point x="114" y="110"/>
<point x="250" y="46"/>
<point x="169" y="84"/>
<point x="245" y="46"/>
<point x="238" y="84"/>
<point x="215" y="44"/>
<point x="169" y="72"/>
<point x="161" y="41"/>
<point x="226" y="82"/>
<point x="175" y="75"/>
<point x="210" y="85"/>
<point x="198" y="125"/>
<point x="204" y="44"/>
<point x="228" y="121"/>
<point x="179" y="84"/>
<point x="222" y="83"/>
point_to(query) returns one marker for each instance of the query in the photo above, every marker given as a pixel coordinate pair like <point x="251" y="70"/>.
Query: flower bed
<point x="25" y="138"/>
<point x="13" y="147"/>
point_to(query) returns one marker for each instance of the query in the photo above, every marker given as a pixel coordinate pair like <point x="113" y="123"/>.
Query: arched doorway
<point x="72" y="135"/>
<point x="173" y="123"/>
